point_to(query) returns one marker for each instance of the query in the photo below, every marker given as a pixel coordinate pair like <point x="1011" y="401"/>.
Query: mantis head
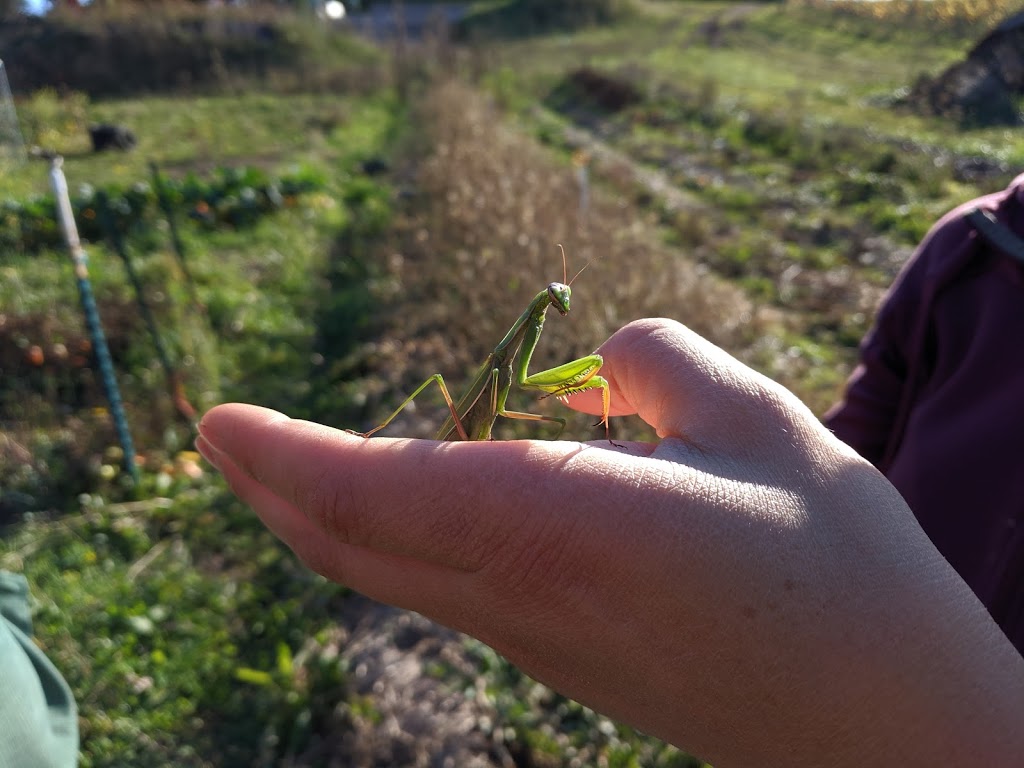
<point x="559" y="294"/>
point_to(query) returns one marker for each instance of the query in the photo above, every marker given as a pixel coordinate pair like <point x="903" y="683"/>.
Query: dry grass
<point x="947" y="13"/>
<point x="480" y="240"/>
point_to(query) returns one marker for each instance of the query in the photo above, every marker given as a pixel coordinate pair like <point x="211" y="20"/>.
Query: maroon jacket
<point x="937" y="402"/>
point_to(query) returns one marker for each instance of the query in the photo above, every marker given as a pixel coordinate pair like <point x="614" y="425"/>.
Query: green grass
<point x="177" y="624"/>
<point x="767" y="58"/>
<point x="272" y="131"/>
<point x="262" y="285"/>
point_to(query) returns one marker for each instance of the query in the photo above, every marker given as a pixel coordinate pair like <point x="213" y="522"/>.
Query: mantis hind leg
<point x="447" y="398"/>
<point x="534" y="417"/>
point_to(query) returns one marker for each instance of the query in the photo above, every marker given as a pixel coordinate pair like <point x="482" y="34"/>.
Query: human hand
<point x="746" y="588"/>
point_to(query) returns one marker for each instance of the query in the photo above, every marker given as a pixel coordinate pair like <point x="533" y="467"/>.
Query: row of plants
<point x="235" y="309"/>
<point x="775" y="194"/>
<point x="752" y="146"/>
<point x="233" y="197"/>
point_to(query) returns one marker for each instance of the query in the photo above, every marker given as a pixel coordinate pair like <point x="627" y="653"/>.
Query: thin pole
<point x="79" y="260"/>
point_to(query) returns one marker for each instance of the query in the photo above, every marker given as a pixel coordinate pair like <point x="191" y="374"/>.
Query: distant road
<point x="386" y="21"/>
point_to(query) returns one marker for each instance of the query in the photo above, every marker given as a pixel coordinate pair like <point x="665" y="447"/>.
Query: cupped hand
<point x="746" y="588"/>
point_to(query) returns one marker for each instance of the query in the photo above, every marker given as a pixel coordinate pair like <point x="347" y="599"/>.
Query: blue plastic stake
<point x="92" y="317"/>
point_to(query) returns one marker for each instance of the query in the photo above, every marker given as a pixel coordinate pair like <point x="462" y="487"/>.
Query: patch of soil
<point x="416" y="718"/>
<point x="610" y="93"/>
<point x="42" y="354"/>
<point x="984" y="87"/>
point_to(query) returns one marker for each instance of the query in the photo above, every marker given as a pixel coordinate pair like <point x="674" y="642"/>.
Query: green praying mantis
<point x="473" y="415"/>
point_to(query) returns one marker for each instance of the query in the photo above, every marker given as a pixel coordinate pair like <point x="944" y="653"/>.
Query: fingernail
<point x="208" y="452"/>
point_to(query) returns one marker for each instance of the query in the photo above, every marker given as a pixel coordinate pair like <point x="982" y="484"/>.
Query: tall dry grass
<point x="949" y="14"/>
<point x="479" y="240"/>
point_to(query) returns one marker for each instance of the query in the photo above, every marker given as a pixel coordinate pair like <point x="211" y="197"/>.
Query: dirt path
<point x="418" y="718"/>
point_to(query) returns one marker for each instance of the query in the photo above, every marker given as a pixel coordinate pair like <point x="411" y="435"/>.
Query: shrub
<point x="151" y="49"/>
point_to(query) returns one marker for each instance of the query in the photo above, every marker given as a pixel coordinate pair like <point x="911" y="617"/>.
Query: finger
<point x="686" y="387"/>
<point x="283" y="519"/>
<point x="383" y="577"/>
<point x="454" y="504"/>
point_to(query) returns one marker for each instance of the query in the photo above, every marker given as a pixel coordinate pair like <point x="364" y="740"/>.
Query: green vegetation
<point x="365" y="218"/>
<point x="235" y="197"/>
<point x="803" y="181"/>
<point x="190" y="636"/>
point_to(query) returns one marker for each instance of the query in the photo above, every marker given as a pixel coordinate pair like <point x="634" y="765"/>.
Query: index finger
<point x="448" y="503"/>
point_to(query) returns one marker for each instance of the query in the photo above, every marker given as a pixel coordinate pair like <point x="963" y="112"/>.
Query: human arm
<point x="746" y="588"/>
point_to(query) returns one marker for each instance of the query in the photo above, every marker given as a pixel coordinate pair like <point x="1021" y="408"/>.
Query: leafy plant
<point x="234" y="197"/>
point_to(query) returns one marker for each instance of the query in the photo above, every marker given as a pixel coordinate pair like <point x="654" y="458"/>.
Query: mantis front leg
<point x="571" y="378"/>
<point x="563" y="380"/>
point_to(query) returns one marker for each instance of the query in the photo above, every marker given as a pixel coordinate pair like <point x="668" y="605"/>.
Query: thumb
<point x="686" y="387"/>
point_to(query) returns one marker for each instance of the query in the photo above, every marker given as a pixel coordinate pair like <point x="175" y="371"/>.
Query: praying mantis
<point x="473" y="415"/>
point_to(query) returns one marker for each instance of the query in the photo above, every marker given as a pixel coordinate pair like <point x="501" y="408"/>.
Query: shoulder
<point x="953" y="237"/>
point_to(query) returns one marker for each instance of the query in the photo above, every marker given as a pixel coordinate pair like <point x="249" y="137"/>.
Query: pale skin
<point x="746" y="588"/>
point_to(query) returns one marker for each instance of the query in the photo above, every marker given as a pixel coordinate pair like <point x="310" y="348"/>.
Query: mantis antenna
<point x="564" y="272"/>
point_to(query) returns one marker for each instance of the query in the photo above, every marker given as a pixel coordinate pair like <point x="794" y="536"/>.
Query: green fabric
<point x="38" y="717"/>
